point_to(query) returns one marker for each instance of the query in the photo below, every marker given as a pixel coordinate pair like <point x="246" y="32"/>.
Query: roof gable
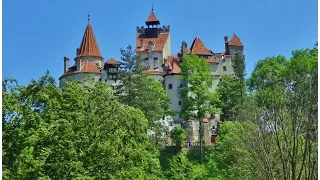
<point x="235" y="41"/>
<point x="198" y="48"/>
<point x="112" y="61"/>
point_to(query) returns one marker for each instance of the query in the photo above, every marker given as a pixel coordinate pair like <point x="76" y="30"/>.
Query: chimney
<point x="183" y="48"/>
<point x="150" y="49"/>
<point x="141" y="44"/>
<point x="150" y="45"/>
<point x="78" y="64"/>
<point x="226" y="44"/>
<point x="66" y="63"/>
<point x="77" y="52"/>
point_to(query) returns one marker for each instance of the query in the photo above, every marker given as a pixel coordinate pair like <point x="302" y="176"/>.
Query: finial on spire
<point x="152" y="6"/>
<point x="88" y="18"/>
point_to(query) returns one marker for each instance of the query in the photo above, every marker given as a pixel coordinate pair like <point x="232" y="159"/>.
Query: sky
<point x="37" y="34"/>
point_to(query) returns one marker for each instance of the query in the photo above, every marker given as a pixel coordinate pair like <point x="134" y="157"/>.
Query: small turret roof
<point x="152" y="19"/>
<point x="235" y="41"/>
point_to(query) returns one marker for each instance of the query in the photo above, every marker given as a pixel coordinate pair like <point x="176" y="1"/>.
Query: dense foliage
<point x="78" y="132"/>
<point x="138" y="90"/>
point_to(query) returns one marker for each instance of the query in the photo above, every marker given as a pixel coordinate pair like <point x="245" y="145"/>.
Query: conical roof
<point x="152" y="19"/>
<point x="89" y="45"/>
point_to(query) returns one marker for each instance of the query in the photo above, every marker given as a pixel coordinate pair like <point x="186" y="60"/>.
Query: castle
<point x="154" y="47"/>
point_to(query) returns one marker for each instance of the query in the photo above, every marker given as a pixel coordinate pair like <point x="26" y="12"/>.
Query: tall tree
<point x="138" y="90"/>
<point x="286" y="113"/>
<point x="199" y="101"/>
<point x="239" y="68"/>
<point x="229" y="90"/>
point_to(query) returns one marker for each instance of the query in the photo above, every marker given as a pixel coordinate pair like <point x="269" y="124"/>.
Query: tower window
<point x="181" y="85"/>
<point x="224" y="68"/>
<point x="155" y="58"/>
<point x="146" y="59"/>
<point x="179" y="103"/>
<point x="170" y="86"/>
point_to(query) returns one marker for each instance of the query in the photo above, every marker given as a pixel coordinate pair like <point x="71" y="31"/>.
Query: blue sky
<point x="37" y="34"/>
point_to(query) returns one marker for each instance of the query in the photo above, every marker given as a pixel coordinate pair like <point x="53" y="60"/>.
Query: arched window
<point x="224" y="68"/>
<point x="170" y="86"/>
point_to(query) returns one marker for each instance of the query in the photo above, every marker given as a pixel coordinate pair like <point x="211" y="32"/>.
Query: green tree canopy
<point x="78" y="132"/>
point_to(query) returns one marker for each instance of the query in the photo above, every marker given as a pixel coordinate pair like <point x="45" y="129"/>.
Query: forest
<point x="88" y="130"/>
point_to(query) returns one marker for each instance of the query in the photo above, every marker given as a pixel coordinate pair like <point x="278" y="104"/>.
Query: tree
<point x="239" y="68"/>
<point x="285" y="116"/>
<point x="229" y="158"/>
<point x="199" y="101"/>
<point x="138" y="90"/>
<point x="230" y="97"/>
<point x="181" y="168"/>
<point x="71" y="133"/>
<point x="178" y="136"/>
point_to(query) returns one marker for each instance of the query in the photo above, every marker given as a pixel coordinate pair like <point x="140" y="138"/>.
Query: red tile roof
<point x="152" y="17"/>
<point x="173" y="66"/>
<point x="172" y="58"/>
<point x="235" y="41"/>
<point x="212" y="60"/>
<point x="112" y="61"/>
<point x="199" y="48"/>
<point x="158" y="42"/>
<point x="89" y="45"/>
<point x="86" y="67"/>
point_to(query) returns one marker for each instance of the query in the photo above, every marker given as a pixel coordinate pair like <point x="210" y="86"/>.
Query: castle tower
<point x="88" y="60"/>
<point x="234" y="45"/>
<point x="153" y="45"/>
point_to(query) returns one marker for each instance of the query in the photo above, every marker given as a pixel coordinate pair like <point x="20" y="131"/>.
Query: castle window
<point x="99" y="79"/>
<point x="112" y="70"/>
<point x="179" y="103"/>
<point x="224" y="68"/>
<point x="170" y="86"/>
<point x="181" y="85"/>
<point x="180" y="115"/>
<point x="146" y="59"/>
<point x="155" y="58"/>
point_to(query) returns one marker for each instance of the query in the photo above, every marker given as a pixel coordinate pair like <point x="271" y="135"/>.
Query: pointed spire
<point x="152" y="19"/>
<point x="199" y="48"/>
<point x="88" y="18"/>
<point x="89" y="45"/>
<point x="235" y="41"/>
